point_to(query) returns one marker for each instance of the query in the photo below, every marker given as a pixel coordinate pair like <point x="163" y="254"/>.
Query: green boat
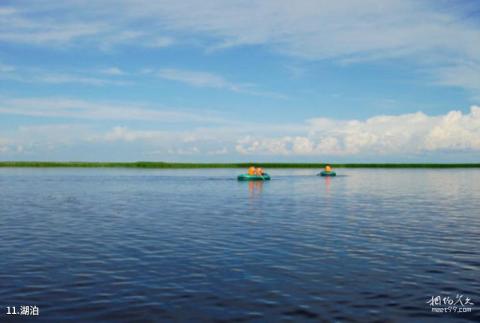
<point x="246" y="177"/>
<point x="325" y="173"/>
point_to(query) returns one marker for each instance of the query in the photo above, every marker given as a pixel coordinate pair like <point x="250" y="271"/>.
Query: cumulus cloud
<point x="393" y="135"/>
<point x="455" y="131"/>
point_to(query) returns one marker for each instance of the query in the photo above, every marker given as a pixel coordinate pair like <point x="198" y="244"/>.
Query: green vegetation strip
<point x="143" y="164"/>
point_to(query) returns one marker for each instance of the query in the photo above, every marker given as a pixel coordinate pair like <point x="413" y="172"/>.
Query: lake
<point x="196" y="245"/>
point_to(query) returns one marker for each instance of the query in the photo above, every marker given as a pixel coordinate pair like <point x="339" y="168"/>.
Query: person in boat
<point x="259" y="171"/>
<point x="252" y="171"/>
<point x="328" y="168"/>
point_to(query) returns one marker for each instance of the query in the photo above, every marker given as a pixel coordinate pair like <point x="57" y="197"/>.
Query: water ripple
<point x="196" y="245"/>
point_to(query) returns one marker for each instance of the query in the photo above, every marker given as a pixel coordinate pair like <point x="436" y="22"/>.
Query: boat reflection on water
<point x="328" y="181"/>
<point x="255" y="188"/>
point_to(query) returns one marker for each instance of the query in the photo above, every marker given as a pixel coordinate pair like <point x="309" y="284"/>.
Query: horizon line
<point x="178" y="165"/>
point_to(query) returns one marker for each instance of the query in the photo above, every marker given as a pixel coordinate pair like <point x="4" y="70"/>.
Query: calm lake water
<point x="196" y="245"/>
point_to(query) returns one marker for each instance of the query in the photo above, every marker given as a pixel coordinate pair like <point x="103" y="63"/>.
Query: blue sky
<point x="240" y="80"/>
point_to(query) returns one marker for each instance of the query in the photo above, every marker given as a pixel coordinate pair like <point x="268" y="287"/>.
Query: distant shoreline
<point x="163" y="165"/>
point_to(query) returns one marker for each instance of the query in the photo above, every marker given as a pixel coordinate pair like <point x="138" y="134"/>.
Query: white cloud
<point x="31" y="139"/>
<point x="36" y="75"/>
<point x="425" y="32"/>
<point x="6" y="68"/>
<point x="211" y="80"/>
<point x="114" y="71"/>
<point x="315" y="29"/>
<point x="124" y="134"/>
<point x="196" y="78"/>
<point x="463" y="75"/>
<point x="455" y="131"/>
<point x="4" y="145"/>
<point x="163" y="142"/>
<point x="381" y="135"/>
<point x="219" y="151"/>
<point x="68" y="78"/>
<point x="271" y="146"/>
<point x="18" y="28"/>
<point x="51" y="134"/>
<point x="159" y="42"/>
<point x="184" y="151"/>
<point x="121" y="37"/>
<point x="395" y="137"/>
<point x="81" y="109"/>
<point x="312" y="29"/>
<point x="32" y="25"/>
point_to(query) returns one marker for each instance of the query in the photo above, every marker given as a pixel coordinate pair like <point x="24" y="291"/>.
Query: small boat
<point x="325" y="173"/>
<point x="246" y="177"/>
